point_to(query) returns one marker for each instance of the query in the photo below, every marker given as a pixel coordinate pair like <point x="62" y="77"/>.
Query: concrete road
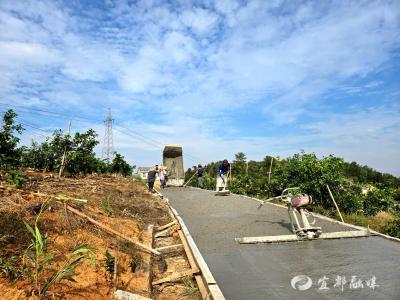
<point x="326" y="269"/>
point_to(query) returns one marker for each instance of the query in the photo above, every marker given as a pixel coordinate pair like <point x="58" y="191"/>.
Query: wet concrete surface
<point x="265" y="271"/>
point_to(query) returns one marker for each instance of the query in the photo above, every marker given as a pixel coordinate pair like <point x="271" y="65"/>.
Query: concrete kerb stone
<point x="212" y="285"/>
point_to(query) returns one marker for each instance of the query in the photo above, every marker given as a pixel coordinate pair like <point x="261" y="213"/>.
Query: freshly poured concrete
<point x="265" y="271"/>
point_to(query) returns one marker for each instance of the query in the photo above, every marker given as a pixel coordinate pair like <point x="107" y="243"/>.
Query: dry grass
<point x="380" y="221"/>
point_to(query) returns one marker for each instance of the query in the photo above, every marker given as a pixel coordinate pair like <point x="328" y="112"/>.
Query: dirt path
<point x="265" y="271"/>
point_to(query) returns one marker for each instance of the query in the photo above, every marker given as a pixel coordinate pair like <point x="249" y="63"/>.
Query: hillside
<point x="115" y="201"/>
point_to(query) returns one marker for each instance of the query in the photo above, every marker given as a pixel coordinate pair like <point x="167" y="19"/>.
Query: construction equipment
<point x="173" y="161"/>
<point x="301" y="230"/>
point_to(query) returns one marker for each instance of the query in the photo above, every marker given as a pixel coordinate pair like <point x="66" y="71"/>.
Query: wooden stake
<point x="229" y="174"/>
<point x="150" y="231"/>
<point x="192" y="262"/>
<point x="169" y="249"/>
<point x="176" y="277"/>
<point x="112" y="231"/>
<point x="166" y="226"/>
<point x="333" y="199"/>
<point x="270" y="170"/>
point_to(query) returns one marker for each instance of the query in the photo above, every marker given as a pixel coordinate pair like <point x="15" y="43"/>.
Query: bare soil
<point x="121" y="203"/>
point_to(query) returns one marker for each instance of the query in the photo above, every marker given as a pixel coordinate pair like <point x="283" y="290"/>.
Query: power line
<point x="136" y="135"/>
<point x="129" y="132"/>
<point x="36" y="130"/>
<point x="138" y="138"/>
<point x="29" y="109"/>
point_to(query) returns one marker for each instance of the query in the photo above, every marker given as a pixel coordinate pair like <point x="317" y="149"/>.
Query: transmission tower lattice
<point x="108" y="144"/>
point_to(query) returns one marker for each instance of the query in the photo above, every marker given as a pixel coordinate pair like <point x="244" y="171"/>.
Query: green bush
<point x="209" y="182"/>
<point x="119" y="165"/>
<point x="17" y="178"/>
<point x="350" y="199"/>
<point x="379" y="200"/>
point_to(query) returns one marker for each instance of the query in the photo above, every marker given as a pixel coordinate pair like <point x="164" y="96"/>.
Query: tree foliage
<point x="356" y="189"/>
<point x="119" y="165"/>
<point x="9" y="152"/>
<point x="47" y="155"/>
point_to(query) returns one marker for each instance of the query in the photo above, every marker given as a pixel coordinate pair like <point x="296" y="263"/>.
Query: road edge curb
<point x="213" y="289"/>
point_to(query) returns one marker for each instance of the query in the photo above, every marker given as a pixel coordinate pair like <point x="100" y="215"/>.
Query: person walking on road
<point x="222" y="176"/>
<point x="200" y="176"/>
<point x="151" y="178"/>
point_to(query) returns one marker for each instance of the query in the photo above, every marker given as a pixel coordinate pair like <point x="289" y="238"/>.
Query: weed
<point x="136" y="258"/>
<point x="109" y="262"/>
<point x="17" y="178"/>
<point x="38" y="259"/>
<point x="190" y="291"/>
<point x="10" y="269"/>
<point x="106" y="206"/>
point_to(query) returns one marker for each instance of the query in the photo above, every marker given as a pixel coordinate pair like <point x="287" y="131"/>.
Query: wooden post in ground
<point x="150" y="232"/>
<point x="334" y="202"/>
<point x="270" y="170"/>
<point x="64" y="158"/>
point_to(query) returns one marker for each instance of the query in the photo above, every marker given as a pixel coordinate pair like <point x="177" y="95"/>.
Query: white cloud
<point x="17" y="53"/>
<point x="201" y="21"/>
<point x="195" y="64"/>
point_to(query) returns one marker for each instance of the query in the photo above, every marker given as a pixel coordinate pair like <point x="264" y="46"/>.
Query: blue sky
<point x="218" y="77"/>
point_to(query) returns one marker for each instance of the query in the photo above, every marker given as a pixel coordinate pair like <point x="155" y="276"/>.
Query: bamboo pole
<point x="112" y="231"/>
<point x="195" y="172"/>
<point x="333" y="199"/>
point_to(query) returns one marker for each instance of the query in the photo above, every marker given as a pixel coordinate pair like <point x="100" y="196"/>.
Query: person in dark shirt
<point x="224" y="168"/>
<point x="222" y="176"/>
<point x="200" y="176"/>
<point x="151" y="178"/>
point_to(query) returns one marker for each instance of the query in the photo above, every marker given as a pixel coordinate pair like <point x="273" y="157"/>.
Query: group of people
<point x="161" y="171"/>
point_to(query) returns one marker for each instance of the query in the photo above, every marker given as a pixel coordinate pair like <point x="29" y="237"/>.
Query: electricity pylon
<point x="108" y="144"/>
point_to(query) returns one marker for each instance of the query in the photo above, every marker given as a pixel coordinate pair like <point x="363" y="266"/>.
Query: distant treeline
<point x="48" y="155"/>
<point x="357" y="189"/>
